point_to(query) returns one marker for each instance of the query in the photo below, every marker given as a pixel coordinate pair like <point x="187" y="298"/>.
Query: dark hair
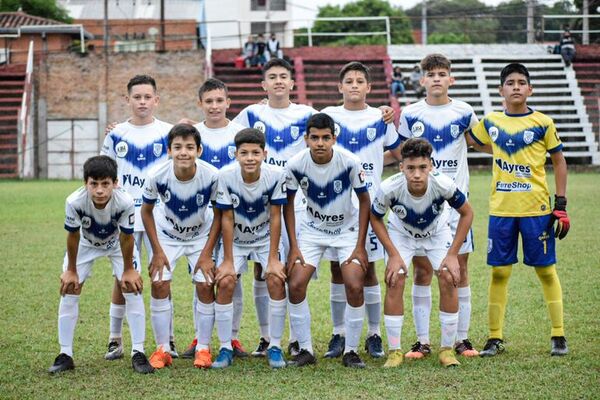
<point x="184" y="131"/>
<point x="320" y="121"/>
<point x="277" y="62"/>
<point x="435" y="60"/>
<point x="141" y="80"/>
<point x="355" y="66"/>
<point x="100" y="167"/>
<point x="512" y="68"/>
<point x="415" y="148"/>
<point x="212" y="84"/>
<point x="249" y="135"/>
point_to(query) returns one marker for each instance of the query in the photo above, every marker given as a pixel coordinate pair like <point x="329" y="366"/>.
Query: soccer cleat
<point x="465" y="348"/>
<point x="303" y="358"/>
<point x="238" y="349"/>
<point x="202" y="359"/>
<point x="395" y="358"/>
<point x="559" y="346"/>
<point x="492" y="347"/>
<point x="224" y="359"/>
<point x="447" y="357"/>
<point x="160" y="358"/>
<point x="352" y="360"/>
<point x="115" y="350"/>
<point x="63" y="362"/>
<point x="261" y="350"/>
<point x="336" y="346"/>
<point x="275" y="357"/>
<point x="293" y="348"/>
<point x="419" y="350"/>
<point x="140" y="363"/>
<point x="173" y="350"/>
<point x="191" y="350"/>
<point x="374" y="346"/>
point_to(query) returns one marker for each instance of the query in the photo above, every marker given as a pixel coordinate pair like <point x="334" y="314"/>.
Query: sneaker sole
<point x="112" y="357"/>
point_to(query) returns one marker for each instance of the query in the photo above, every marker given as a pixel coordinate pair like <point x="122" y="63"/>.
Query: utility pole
<point x="162" y="25"/>
<point x="530" y="28"/>
<point x="585" y="37"/>
<point x="105" y="26"/>
<point x="268" y="17"/>
<point x="424" y="22"/>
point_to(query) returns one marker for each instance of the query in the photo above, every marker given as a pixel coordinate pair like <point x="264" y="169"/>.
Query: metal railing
<point x="25" y="126"/>
<point x="311" y="34"/>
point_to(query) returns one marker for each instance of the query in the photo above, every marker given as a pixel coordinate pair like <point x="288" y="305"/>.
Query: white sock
<point x="300" y="319"/>
<point x="238" y="309"/>
<point x="224" y="320"/>
<point x="160" y="314"/>
<point x="68" y="312"/>
<point x="293" y="337"/>
<point x="373" y="308"/>
<point x="261" y="301"/>
<point x="449" y="324"/>
<point x="393" y="329"/>
<point x="464" y="313"/>
<point x="205" y="321"/>
<point x="136" y="318"/>
<point x="172" y="324"/>
<point x="277" y="321"/>
<point x="421" y="296"/>
<point x="194" y="306"/>
<point x="354" y="323"/>
<point x="338" y="308"/>
<point x="116" y="313"/>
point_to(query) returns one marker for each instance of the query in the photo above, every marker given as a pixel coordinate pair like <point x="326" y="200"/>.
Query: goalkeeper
<point x="520" y="203"/>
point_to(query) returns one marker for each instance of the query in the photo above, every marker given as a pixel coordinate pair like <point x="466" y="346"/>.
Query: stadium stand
<point x="587" y="71"/>
<point x="12" y="82"/>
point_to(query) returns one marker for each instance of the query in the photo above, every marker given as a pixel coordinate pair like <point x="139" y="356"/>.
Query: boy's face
<point x="320" y="141"/>
<point x="100" y="190"/>
<point x="214" y="104"/>
<point x="184" y="152"/>
<point x="354" y="87"/>
<point x="250" y="156"/>
<point x="515" y="89"/>
<point x="142" y="99"/>
<point x="416" y="170"/>
<point x="437" y="81"/>
<point x="278" y="82"/>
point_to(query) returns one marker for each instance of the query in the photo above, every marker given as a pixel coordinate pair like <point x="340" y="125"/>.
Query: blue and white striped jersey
<point x="218" y="146"/>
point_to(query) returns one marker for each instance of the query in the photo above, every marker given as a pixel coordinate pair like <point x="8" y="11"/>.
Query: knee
<point x="258" y="272"/>
<point x="501" y="274"/>
<point x="354" y="291"/>
<point x="161" y="289"/>
<point x="445" y="280"/>
<point x="227" y="285"/>
<point x="423" y="274"/>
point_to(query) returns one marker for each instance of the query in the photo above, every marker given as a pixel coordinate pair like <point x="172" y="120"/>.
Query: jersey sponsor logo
<point x="440" y="164"/>
<point x="274" y="161"/>
<point x="132" y="180"/>
<point x="235" y="200"/>
<point x="438" y="138"/>
<point x="418" y="235"/>
<point x="337" y="186"/>
<point x="252" y="230"/>
<point x="157" y="149"/>
<point x="86" y="222"/>
<point x="454" y="130"/>
<point x="294" y="132"/>
<point x="321" y="195"/>
<point x="493" y="132"/>
<point x="528" y="137"/>
<point x="353" y="141"/>
<point x="518" y="170"/>
<point x="199" y="200"/>
<point x="181" y="229"/>
<point x="418" y="129"/>
<point x="368" y="166"/>
<point x="510" y="143"/>
<point x="278" y="139"/>
<point x="371" y="134"/>
<point x="325" y="217"/>
<point x="513" y="187"/>
<point x="230" y="152"/>
<point x="121" y="149"/>
<point x="400" y="211"/>
<point x="336" y="129"/>
<point x="260" y="126"/>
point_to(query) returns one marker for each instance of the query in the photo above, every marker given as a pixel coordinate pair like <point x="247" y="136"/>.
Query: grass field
<point x="33" y="242"/>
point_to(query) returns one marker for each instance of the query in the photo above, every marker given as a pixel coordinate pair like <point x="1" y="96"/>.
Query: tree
<point x="41" y="8"/>
<point x="400" y="30"/>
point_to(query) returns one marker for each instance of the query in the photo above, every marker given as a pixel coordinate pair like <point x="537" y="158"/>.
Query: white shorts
<point x="313" y="245"/>
<point x="175" y="249"/>
<point x="435" y="247"/>
<point x="285" y="240"/>
<point x="468" y="246"/>
<point x="241" y="255"/>
<point x="375" y="251"/>
<point x="86" y="255"/>
<point x="140" y="238"/>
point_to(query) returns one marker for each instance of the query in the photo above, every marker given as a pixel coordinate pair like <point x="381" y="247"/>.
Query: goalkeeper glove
<point x="559" y="214"/>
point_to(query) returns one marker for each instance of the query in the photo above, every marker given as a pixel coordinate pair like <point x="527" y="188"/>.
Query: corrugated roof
<point x="133" y="9"/>
<point x="17" y="19"/>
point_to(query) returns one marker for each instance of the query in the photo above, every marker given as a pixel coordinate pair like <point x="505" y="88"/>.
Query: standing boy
<point x="326" y="176"/>
<point x="104" y="215"/>
<point x="418" y="225"/>
<point x="520" y="203"/>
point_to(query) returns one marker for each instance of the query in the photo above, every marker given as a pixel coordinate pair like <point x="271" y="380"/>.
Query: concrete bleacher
<point x="587" y="71"/>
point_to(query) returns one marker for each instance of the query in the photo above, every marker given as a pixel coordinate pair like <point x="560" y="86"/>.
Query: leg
<point x="116" y="313"/>
<point x="421" y="297"/>
<point x="205" y="320"/>
<point x="277" y="312"/>
<point x="393" y="310"/>
<point x="298" y="279"/>
<point x="463" y="345"/>
<point x="261" y="302"/>
<point x="372" y="294"/>
<point x="224" y="321"/>
<point x="160" y="314"/>
<point x="448" y="317"/>
<point x="354" y="278"/>
<point x="336" y="345"/>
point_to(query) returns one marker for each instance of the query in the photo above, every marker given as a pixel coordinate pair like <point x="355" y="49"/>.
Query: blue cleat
<point x="224" y="359"/>
<point x="275" y="357"/>
<point x="336" y="346"/>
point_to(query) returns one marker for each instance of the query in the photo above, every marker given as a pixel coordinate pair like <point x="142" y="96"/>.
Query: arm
<point x="487" y="148"/>
<point x="450" y="262"/>
<point x="131" y="281"/>
<point x="226" y="268"/>
<point x="387" y="114"/>
<point x="205" y="261"/>
<point x="392" y="156"/>
<point x="159" y="259"/>
<point x="559" y="213"/>
<point x="69" y="280"/>
<point x="290" y="225"/>
<point x="360" y="253"/>
<point x="274" y="266"/>
<point x="560" y="172"/>
<point x="395" y="264"/>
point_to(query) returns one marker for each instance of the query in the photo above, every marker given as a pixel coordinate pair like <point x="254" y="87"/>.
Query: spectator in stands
<point x="567" y="47"/>
<point x="415" y="81"/>
<point x="262" y="55"/>
<point x="249" y="52"/>
<point x="273" y="47"/>
<point x="398" y="88"/>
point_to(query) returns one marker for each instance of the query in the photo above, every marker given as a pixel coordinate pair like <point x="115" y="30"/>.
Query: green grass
<point x="33" y="242"/>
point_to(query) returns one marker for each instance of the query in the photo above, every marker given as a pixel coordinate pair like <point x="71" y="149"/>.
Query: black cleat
<point x="261" y="350"/>
<point x="140" y="363"/>
<point x="303" y="358"/>
<point x="190" y="352"/>
<point x="173" y="351"/>
<point x="352" y="360"/>
<point x="293" y="348"/>
<point x="374" y="346"/>
<point x="63" y="362"/>
<point x="559" y="346"/>
<point x="336" y="346"/>
<point x="492" y="348"/>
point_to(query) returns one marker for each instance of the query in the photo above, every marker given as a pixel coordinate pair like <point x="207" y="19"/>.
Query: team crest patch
<point x="167" y="196"/>
<point x="157" y="149"/>
<point x="265" y="199"/>
<point x="337" y="186"/>
<point x="294" y="132"/>
<point x="86" y="222"/>
<point x="454" y="130"/>
<point x="235" y="201"/>
<point x="400" y="211"/>
<point x="493" y="132"/>
<point x="528" y="137"/>
<point x="231" y="152"/>
<point x="490" y="245"/>
<point x="121" y="149"/>
<point x="199" y="199"/>
<point x="418" y="129"/>
<point x="337" y="130"/>
<point x="371" y="134"/>
<point x="260" y="126"/>
<point x="304" y="183"/>
<point x="435" y="209"/>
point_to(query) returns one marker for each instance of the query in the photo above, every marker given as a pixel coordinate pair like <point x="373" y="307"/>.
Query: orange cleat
<point x="160" y="358"/>
<point x="203" y="359"/>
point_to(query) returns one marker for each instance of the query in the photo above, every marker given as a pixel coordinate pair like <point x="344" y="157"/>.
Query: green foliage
<point x="399" y="24"/>
<point x="447" y="38"/>
<point x="41" y="8"/>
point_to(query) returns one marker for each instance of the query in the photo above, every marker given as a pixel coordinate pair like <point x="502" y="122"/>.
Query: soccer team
<point x="285" y="186"/>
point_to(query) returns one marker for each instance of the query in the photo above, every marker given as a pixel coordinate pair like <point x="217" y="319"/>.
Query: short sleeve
<point x="357" y="177"/>
<point x="108" y="148"/>
<point x="380" y="203"/>
<point x="403" y="129"/>
<point x="223" y="199"/>
<point x="290" y="179"/>
<point x="72" y="218"/>
<point x="279" y="194"/>
<point x="214" y="188"/>
<point x="150" y="192"/>
<point x="391" y="139"/>
<point x="551" y="139"/>
<point x="127" y="220"/>
<point x="479" y="133"/>
<point x="242" y="118"/>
